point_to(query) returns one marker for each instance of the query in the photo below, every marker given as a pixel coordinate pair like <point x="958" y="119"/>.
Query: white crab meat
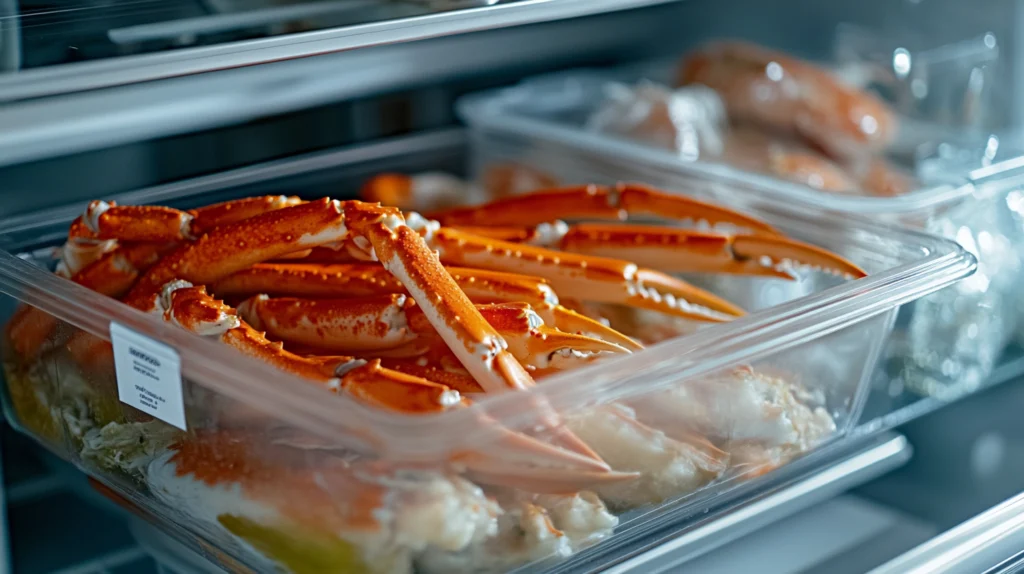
<point x="201" y="501"/>
<point x="127" y="447"/>
<point x="388" y="515"/>
<point x="667" y="467"/>
<point x="525" y="534"/>
<point x="428" y="510"/>
<point x="582" y="516"/>
<point x="738" y="407"/>
<point x="532" y="527"/>
<point x="689" y="121"/>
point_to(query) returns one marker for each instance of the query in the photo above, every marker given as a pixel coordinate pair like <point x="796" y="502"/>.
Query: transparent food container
<point x="275" y="473"/>
<point x="541" y="132"/>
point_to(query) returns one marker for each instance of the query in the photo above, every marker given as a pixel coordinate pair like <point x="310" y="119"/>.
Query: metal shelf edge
<point x="988" y="542"/>
<point x="69" y="78"/>
<point x="875" y="458"/>
<point x="77" y="122"/>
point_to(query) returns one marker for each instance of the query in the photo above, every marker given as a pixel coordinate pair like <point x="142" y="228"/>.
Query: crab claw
<point x="781" y="254"/>
<point x="617" y="203"/>
<point x="233" y="247"/>
<point x="596" y="278"/>
<point x="515" y="461"/>
<point x="686" y="250"/>
<point x="510" y="459"/>
<point x="194" y="310"/>
<point x="522" y="460"/>
<point x="541" y="346"/>
<point x="569" y="321"/>
<point x="403" y="251"/>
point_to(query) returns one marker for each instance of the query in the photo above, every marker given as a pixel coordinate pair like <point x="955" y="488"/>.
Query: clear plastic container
<point x="171" y="556"/>
<point x="276" y="473"/>
<point x="536" y="133"/>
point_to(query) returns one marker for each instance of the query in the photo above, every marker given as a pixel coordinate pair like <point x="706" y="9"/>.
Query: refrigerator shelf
<point x="102" y="44"/>
<point x="61" y="110"/>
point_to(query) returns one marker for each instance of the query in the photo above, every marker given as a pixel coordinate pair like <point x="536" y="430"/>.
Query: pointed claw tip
<point x="560" y="340"/>
<point x="567" y="320"/>
<point x="660" y="292"/>
<point x="781" y="253"/>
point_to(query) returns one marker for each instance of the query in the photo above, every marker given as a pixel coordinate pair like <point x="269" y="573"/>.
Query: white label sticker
<point x="148" y="375"/>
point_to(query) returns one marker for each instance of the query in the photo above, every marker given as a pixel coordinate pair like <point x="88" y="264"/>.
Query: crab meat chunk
<point x="320" y="507"/>
<point x="533" y="527"/>
<point x="740" y="406"/>
<point x="668" y="467"/>
<point x="430" y="510"/>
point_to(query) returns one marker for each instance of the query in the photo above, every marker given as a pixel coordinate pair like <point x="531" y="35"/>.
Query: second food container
<point x="542" y="133"/>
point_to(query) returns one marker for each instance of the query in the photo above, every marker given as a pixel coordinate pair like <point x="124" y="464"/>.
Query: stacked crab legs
<point x="777" y="94"/>
<point x="385" y="298"/>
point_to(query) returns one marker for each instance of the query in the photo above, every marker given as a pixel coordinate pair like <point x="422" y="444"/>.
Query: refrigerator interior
<point x="966" y="456"/>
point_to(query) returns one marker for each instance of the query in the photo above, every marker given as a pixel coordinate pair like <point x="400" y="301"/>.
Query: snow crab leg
<point x="112" y="274"/>
<point x="106" y="220"/>
<point x="600" y="278"/>
<point x="623" y="202"/>
<point x="383" y="234"/>
<point x="109" y="247"/>
<point x="366" y="279"/>
<point x="363" y="279"/>
<point x="768" y="88"/>
<point x="191" y="308"/>
<point x="104" y="225"/>
<point x="676" y="250"/>
<point x="320" y="513"/>
<point x="393" y="325"/>
<point x="382" y="231"/>
<point x="520" y="220"/>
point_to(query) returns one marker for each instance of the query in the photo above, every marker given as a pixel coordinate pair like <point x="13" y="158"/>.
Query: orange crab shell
<point x="767" y="87"/>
